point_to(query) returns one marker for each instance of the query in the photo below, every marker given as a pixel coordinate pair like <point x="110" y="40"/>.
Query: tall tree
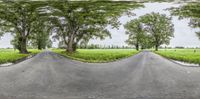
<point x="160" y="28"/>
<point x="190" y="10"/>
<point x="77" y="21"/>
<point x="41" y="33"/>
<point x="17" y="17"/>
<point x="135" y="31"/>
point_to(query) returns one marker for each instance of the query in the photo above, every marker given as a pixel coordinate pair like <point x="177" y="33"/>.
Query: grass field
<point x="98" y="55"/>
<point x="9" y="55"/>
<point x="185" y="55"/>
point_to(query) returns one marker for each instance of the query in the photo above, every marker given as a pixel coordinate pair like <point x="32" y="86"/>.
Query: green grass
<point x="9" y="55"/>
<point x="98" y="55"/>
<point x="185" y="55"/>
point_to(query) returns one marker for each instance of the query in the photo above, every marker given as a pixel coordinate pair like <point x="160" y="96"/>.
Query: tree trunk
<point x="22" y="45"/>
<point x="70" y="45"/>
<point x="137" y="47"/>
<point x="156" y="47"/>
<point x="74" y="46"/>
<point x="39" y="45"/>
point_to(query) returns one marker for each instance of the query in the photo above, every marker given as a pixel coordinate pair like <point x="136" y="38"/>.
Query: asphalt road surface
<point x="143" y="76"/>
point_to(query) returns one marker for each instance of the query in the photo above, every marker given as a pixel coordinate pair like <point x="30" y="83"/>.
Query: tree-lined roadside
<point x="82" y="21"/>
<point x="190" y="11"/>
<point x="34" y="24"/>
<point x="71" y="22"/>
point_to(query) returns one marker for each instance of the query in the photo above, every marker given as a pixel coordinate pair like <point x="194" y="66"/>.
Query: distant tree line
<point x="97" y="46"/>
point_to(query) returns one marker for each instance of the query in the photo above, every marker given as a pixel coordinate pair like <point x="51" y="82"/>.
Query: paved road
<point x="143" y="76"/>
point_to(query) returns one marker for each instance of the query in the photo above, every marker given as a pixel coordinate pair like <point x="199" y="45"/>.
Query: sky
<point x="183" y="34"/>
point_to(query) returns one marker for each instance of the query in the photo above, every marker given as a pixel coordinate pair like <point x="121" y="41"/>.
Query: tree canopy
<point x="190" y="10"/>
<point x="72" y="21"/>
<point x="149" y="30"/>
<point x="18" y="17"/>
<point x="77" y="22"/>
<point x="136" y="33"/>
<point x="159" y="27"/>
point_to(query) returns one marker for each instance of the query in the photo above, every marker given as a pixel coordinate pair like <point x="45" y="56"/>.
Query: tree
<point x="17" y="17"/>
<point x="77" y="21"/>
<point x="159" y="27"/>
<point x="146" y="41"/>
<point x="190" y="10"/>
<point x="135" y="31"/>
<point x="41" y="33"/>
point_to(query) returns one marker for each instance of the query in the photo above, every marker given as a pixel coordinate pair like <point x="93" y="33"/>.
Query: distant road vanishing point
<point x="143" y="76"/>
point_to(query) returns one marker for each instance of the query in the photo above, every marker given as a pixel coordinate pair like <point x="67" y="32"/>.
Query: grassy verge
<point x="185" y="55"/>
<point x="9" y="55"/>
<point x="98" y="55"/>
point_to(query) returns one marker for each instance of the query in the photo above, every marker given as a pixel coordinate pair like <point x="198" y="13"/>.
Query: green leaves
<point x="135" y="31"/>
<point x="74" y="21"/>
<point x="192" y="11"/>
<point x="18" y="17"/>
<point x="159" y="26"/>
<point x="78" y="21"/>
<point x="153" y="28"/>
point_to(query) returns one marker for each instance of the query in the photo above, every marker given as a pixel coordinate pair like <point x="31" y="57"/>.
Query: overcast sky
<point x="183" y="35"/>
